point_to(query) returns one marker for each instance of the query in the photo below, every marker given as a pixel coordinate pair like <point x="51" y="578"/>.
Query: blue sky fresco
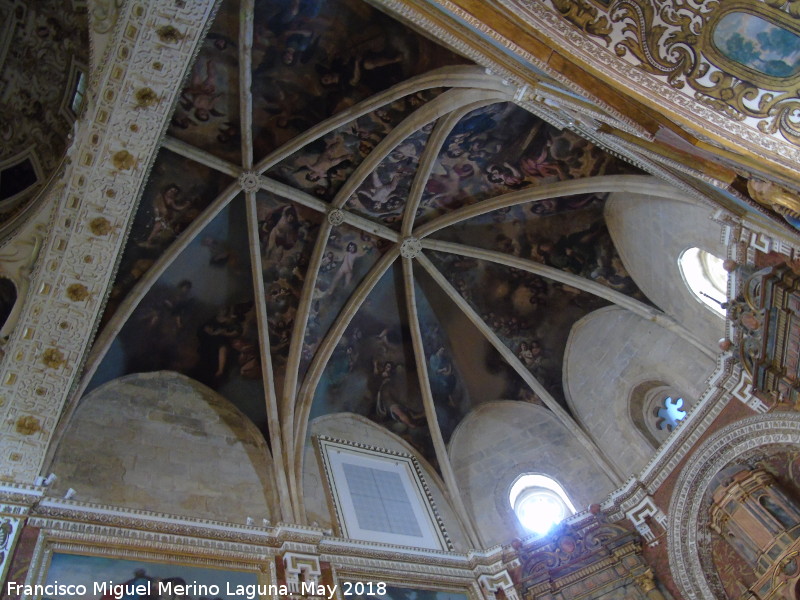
<point x="756" y="43"/>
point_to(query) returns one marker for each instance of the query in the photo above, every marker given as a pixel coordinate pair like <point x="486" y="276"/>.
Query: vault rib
<point x="587" y="285"/>
<point x="425" y="114"/>
<point x="305" y="396"/>
<point x="453" y="77"/>
<point x="127" y="306"/>
<point x="430" y="409"/>
<point x="636" y="184"/>
<point x="287" y="192"/>
<point x="285" y="504"/>
<point x="436" y="108"/>
<point x="289" y="394"/>
<point x="594" y="451"/>
<point x="201" y="156"/>
<point x="428" y="160"/>
<point x="246" y="24"/>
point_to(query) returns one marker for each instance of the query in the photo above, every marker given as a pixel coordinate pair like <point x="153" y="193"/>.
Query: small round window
<point x="539" y="502"/>
<point x="705" y="276"/>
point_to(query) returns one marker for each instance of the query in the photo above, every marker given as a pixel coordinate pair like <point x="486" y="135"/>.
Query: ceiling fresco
<point x="349" y="255"/>
<point x="177" y="192"/>
<point x="530" y="314"/>
<point x="292" y="266"/>
<point x="207" y="115"/>
<point x="372" y="371"/>
<point x="287" y="234"/>
<point x="565" y="233"/>
<point x="199" y="319"/>
<point x="501" y="148"/>
<point x="43" y="47"/>
<point x="383" y="194"/>
<point x="321" y="167"/>
<point x="313" y="59"/>
<point x="463" y="367"/>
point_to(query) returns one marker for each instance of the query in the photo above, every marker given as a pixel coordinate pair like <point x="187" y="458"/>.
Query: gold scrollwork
<point x="585" y="16"/>
<point x="675" y="40"/>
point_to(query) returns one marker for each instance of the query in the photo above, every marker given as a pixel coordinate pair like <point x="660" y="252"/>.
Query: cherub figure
<point x="317" y="167"/>
<point x="381" y="192"/>
<point x="167" y="207"/>
<point x="201" y="95"/>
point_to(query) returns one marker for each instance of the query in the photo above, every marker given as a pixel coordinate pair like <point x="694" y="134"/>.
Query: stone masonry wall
<point x="165" y="443"/>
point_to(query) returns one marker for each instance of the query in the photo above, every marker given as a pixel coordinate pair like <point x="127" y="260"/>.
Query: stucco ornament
<point x="249" y="181"/>
<point x="685" y="43"/>
<point x="124" y="160"/>
<point x="28" y="425"/>
<point x="100" y="226"/>
<point x="146" y="97"/>
<point x="336" y="217"/>
<point x="53" y="358"/>
<point x="410" y="248"/>
<point x="77" y="292"/>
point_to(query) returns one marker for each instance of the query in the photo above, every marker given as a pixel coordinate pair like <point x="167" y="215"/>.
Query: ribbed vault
<point x="404" y="243"/>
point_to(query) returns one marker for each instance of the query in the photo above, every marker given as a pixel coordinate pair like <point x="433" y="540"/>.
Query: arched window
<point x="539" y="502"/>
<point x="656" y="409"/>
<point x="706" y="278"/>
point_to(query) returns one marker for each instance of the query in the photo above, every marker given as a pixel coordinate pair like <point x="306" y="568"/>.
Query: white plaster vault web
<point x="408" y="249"/>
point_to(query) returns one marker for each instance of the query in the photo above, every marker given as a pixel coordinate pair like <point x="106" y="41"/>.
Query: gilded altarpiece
<point x="599" y="561"/>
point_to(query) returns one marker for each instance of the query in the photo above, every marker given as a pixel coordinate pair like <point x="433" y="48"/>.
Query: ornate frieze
<point x="643" y="514"/>
<point x="301" y="567"/>
<point x="500" y="582"/>
<point x="687" y="44"/>
<point x="114" y="144"/>
<point x="676" y="55"/>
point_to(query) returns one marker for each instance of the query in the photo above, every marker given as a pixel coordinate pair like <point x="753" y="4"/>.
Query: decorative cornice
<point x="630" y="72"/>
<point x="457" y="41"/>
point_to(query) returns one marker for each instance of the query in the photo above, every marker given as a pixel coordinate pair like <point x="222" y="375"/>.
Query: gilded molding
<point x="585" y="16"/>
<point x="10" y="528"/>
<point x="640" y="62"/>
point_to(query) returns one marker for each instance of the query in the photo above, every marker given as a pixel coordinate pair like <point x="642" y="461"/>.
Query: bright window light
<point x="706" y="278"/>
<point x="539" y="502"/>
<point x="540" y="511"/>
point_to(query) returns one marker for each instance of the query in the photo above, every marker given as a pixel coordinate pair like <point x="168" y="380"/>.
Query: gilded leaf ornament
<point x="739" y="57"/>
<point x="584" y="15"/>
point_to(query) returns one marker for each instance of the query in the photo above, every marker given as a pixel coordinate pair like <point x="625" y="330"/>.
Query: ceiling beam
<point x="246" y="25"/>
<point x="305" y="396"/>
<point x="635" y="184"/>
<point x="427" y="113"/>
<point x="428" y="160"/>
